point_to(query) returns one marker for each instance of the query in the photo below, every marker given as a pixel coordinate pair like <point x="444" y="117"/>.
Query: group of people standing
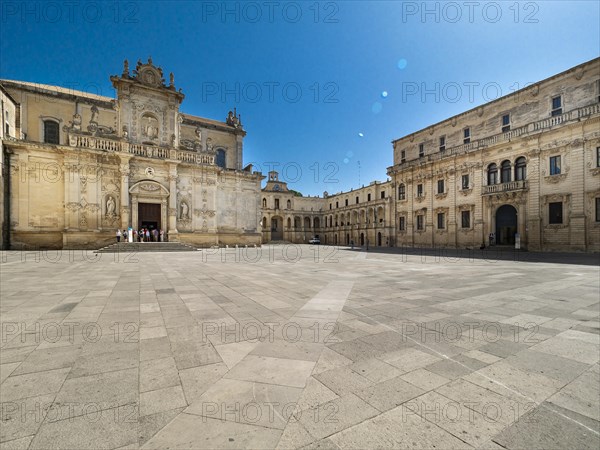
<point x="143" y="235"/>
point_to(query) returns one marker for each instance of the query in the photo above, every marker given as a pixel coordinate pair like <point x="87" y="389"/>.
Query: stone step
<point x="134" y="247"/>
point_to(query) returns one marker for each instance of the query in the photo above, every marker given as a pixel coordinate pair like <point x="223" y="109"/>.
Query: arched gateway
<point x="506" y="225"/>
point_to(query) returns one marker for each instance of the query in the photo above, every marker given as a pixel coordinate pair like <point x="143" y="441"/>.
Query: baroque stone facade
<point x="80" y="166"/>
<point x="523" y="169"/>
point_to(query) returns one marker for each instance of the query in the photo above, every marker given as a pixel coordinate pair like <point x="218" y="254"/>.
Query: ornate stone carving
<point x="150" y="187"/>
<point x="204" y="212"/>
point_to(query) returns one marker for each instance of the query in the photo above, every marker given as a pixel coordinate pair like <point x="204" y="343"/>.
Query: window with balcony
<point x="556" y="106"/>
<point x="420" y="222"/>
<point x="402" y="192"/>
<point x="440" y="186"/>
<point x="465" y="182"/>
<point x="505" y="171"/>
<point x="520" y="169"/>
<point x="492" y="174"/>
<point x="51" y="132"/>
<point x="505" y="123"/>
<point x="421" y="150"/>
<point x="419" y="190"/>
<point x="466" y="135"/>
<point x="465" y="219"/>
<point x="441" y="221"/>
<point x="555" y="165"/>
<point x="442" y="143"/>
<point x="555" y="213"/>
<point x="402" y="222"/>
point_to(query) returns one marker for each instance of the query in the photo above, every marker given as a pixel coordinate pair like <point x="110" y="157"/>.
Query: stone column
<point x="125" y="210"/>
<point x="173" y="233"/>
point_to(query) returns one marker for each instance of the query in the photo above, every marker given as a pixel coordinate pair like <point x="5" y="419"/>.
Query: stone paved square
<point x="325" y="348"/>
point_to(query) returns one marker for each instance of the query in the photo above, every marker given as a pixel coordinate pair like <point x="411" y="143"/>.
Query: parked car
<point x="314" y="241"/>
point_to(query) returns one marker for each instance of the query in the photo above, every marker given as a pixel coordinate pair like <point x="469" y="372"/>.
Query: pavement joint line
<point x="485" y="376"/>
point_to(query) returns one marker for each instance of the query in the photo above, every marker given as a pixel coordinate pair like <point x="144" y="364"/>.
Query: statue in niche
<point x="94" y="110"/>
<point x="184" y="211"/>
<point x="125" y="131"/>
<point x="198" y="132"/>
<point x="110" y="206"/>
<point x="149" y="127"/>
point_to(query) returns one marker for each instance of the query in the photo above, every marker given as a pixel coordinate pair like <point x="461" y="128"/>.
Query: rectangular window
<point x="330" y="206"/>
<point x="466" y="135"/>
<point x="421" y="150"/>
<point x="419" y="190"/>
<point x="442" y="143"/>
<point x="597" y="156"/>
<point x="368" y="197"/>
<point x="465" y="219"/>
<point x="505" y="123"/>
<point x="419" y="222"/>
<point x="555" y="165"/>
<point x="337" y="204"/>
<point x="556" y="106"/>
<point x="465" y="182"/>
<point x="276" y="203"/>
<point x="441" y="221"/>
<point x="597" y="209"/>
<point x="357" y="200"/>
<point x="402" y="223"/>
<point x="403" y="156"/>
<point x="346" y="202"/>
<point x="555" y="211"/>
<point x="440" y="186"/>
<point x="401" y="192"/>
<point x="51" y="132"/>
<point x="382" y="194"/>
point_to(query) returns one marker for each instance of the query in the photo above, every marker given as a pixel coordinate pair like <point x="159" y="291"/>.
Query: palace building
<point x="523" y="169"/>
<point x="78" y="166"/>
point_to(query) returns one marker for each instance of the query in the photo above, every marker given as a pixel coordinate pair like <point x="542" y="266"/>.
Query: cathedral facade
<point x="78" y="166"/>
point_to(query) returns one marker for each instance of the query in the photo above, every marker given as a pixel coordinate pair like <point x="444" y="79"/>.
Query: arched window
<point x="505" y="171"/>
<point x="51" y="132"/>
<point x="402" y="192"/>
<point x="520" y="169"/>
<point x="220" y="158"/>
<point x="492" y="173"/>
<point x="264" y="223"/>
<point x="264" y="202"/>
<point x="289" y="204"/>
<point x="289" y="223"/>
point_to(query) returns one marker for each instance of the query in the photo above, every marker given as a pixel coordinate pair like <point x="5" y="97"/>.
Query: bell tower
<point x="148" y="108"/>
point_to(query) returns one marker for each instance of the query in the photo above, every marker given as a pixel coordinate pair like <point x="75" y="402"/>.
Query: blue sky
<point x="319" y="85"/>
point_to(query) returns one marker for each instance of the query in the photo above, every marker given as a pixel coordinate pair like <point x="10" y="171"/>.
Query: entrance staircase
<point x="138" y="247"/>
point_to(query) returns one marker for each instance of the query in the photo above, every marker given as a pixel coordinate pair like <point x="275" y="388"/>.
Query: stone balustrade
<point x="504" y="187"/>
<point x="507" y="136"/>
<point x="146" y="151"/>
